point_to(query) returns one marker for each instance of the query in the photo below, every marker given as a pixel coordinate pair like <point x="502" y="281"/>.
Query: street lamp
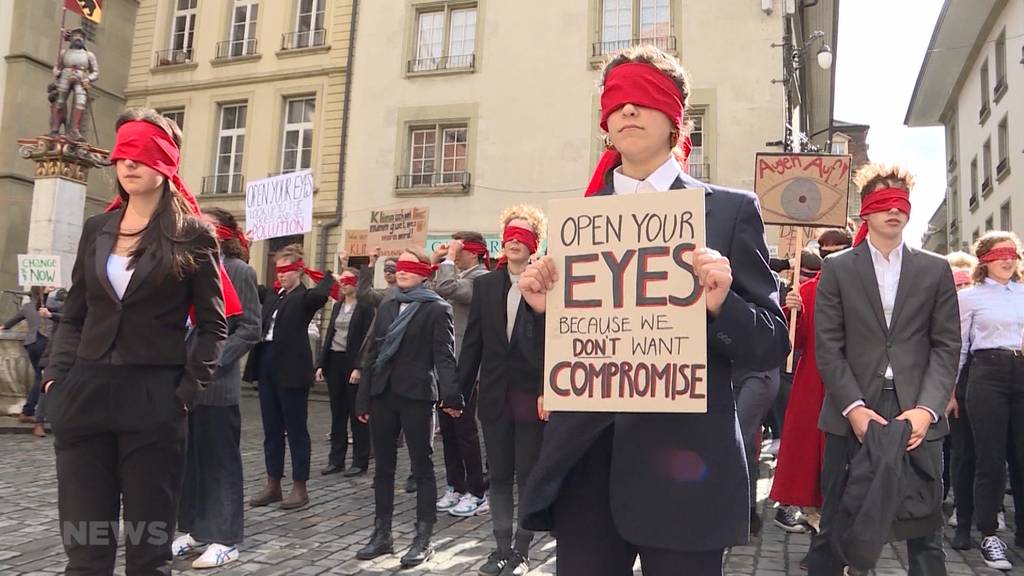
<point x="825" y="57"/>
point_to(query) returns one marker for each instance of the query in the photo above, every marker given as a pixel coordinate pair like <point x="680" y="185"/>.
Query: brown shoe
<point x="297" y="498"/>
<point x="268" y="496"/>
<point x="39" y="430"/>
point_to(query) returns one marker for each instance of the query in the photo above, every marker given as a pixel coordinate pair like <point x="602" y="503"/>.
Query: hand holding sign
<point x="536" y="281"/>
<point x="715" y="275"/>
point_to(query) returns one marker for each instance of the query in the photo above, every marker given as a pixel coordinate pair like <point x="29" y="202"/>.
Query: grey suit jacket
<point x="457" y="288"/>
<point x="854" y="346"/>
<point x="244" y="332"/>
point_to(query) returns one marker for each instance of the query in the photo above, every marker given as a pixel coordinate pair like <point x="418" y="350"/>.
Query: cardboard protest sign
<point x="355" y="242"/>
<point x="395" y="230"/>
<point x="803" y="189"/>
<point x="279" y="206"/>
<point x="38" y="270"/>
<point x="626" y="324"/>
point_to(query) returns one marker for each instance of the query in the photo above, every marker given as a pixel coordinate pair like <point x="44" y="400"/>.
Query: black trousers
<point x="590" y="544"/>
<point x="925" y="555"/>
<point x="35" y="352"/>
<point x="995" y="399"/>
<point x="389" y="415"/>
<point x="963" y="462"/>
<point x="119" y="436"/>
<point x="513" y="444"/>
<point x="460" y="439"/>
<point x="343" y="413"/>
<point x="211" y="501"/>
<point x="283" y="409"/>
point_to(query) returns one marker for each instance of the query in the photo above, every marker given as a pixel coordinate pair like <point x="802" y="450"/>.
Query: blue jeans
<point x="35" y="353"/>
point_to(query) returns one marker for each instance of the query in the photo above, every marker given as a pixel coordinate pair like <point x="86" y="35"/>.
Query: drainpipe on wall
<point x="335" y="222"/>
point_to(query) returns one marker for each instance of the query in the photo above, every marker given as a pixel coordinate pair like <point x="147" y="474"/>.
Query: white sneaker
<point x="216" y="555"/>
<point x="1001" y="521"/>
<point x="952" y="522"/>
<point x="185" y="545"/>
<point x="450" y="500"/>
<point x="485" y="507"/>
<point x="467" y="506"/>
<point x="993" y="552"/>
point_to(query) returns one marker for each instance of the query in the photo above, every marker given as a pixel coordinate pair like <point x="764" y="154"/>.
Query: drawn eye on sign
<point x="803" y="189"/>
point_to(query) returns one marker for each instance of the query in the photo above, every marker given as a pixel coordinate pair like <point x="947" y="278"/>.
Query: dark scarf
<point x="393" y="339"/>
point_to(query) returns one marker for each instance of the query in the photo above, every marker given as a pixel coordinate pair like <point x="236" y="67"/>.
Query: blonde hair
<point x="986" y="243"/>
<point x="960" y="259"/>
<point x="292" y="253"/>
<point x="870" y="176"/>
<point x="534" y="216"/>
<point x="418" y="253"/>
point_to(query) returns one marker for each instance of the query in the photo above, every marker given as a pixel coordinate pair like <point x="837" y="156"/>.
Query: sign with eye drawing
<point x="803" y="189"/>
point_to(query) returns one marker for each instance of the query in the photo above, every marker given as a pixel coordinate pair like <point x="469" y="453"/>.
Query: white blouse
<point x="119" y="274"/>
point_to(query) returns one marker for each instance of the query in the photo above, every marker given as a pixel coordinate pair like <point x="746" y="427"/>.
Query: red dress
<point x="798" y="469"/>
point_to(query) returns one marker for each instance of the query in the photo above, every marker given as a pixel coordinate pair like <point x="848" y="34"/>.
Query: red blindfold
<point x="522" y="235"/>
<point x="417" y="268"/>
<point x="997" y="254"/>
<point x="314" y="275"/>
<point x="881" y="201"/>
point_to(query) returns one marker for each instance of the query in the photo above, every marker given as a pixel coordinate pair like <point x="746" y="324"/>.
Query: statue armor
<point x="76" y="70"/>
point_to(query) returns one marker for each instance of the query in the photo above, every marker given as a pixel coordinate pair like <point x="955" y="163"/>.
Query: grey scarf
<point x="393" y="339"/>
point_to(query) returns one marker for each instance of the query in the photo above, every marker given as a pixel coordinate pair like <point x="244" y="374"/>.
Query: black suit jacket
<point x="147" y="326"/>
<point x="424" y="366"/>
<point x="358" y="328"/>
<point x="679" y="481"/>
<point x="502" y="366"/>
<point x="290" y="355"/>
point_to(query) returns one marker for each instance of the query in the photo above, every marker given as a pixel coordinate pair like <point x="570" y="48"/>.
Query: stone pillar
<point x="58" y="198"/>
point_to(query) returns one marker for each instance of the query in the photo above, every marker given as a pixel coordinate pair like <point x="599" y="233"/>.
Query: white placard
<point x="279" y="206"/>
<point x="38" y="270"/>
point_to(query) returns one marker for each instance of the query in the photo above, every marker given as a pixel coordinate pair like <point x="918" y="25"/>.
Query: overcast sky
<point x="881" y="46"/>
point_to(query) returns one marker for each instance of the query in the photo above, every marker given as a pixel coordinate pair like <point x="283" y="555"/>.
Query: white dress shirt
<point x="660" y="180"/>
<point x="119" y="274"/>
<point x="991" y="317"/>
<point x="512" y="305"/>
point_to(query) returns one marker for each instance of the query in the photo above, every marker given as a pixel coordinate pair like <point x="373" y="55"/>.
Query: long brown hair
<point x="174" y="233"/>
<point x="231" y="247"/>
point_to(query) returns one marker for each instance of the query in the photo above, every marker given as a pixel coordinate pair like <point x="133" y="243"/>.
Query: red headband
<point x="961" y="277"/>
<point x="417" y="268"/>
<point x="524" y="236"/>
<point x="314" y="275"/>
<point x="147" y="143"/>
<point x="881" y="201"/>
<point x="225" y="233"/>
<point x="995" y="254"/>
<point x="479" y="249"/>
<point x="348" y="281"/>
<point x="643" y="85"/>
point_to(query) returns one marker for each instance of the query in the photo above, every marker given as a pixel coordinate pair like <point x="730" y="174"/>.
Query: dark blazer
<point x="854" y="346"/>
<point x="290" y="354"/>
<point x="486" y="349"/>
<point x="679" y="481"/>
<point x="358" y="328"/>
<point x="147" y="326"/>
<point x="424" y="366"/>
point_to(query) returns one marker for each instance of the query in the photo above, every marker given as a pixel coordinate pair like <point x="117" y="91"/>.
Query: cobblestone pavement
<point x="323" y="538"/>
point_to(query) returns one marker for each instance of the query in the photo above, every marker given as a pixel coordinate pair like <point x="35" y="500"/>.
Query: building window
<point x="176" y="114"/>
<point x="437" y="157"/>
<point x="696" y="164"/>
<point x="625" y="23"/>
<point x="984" y="111"/>
<point x="975" y="235"/>
<point x="445" y="40"/>
<point x="951" y="144"/>
<point x="1000" y="66"/>
<point x="297" y="141"/>
<point x="1005" y="217"/>
<point x="973" y="200"/>
<point x="242" y="40"/>
<point x="184" y="26"/>
<point x="989" y="224"/>
<point x="954" y="206"/>
<point x="1003" y="167"/>
<point x="227" y="176"/>
<point x="309" y="26"/>
<point x="986" y="168"/>
<point x="840" y="147"/>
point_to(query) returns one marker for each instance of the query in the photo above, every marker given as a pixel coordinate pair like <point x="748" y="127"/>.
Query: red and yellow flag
<point x="91" y="9"/>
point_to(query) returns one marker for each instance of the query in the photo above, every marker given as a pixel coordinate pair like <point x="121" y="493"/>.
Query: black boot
<point x="381" y="542"/>
<point x="421" y="549"/>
